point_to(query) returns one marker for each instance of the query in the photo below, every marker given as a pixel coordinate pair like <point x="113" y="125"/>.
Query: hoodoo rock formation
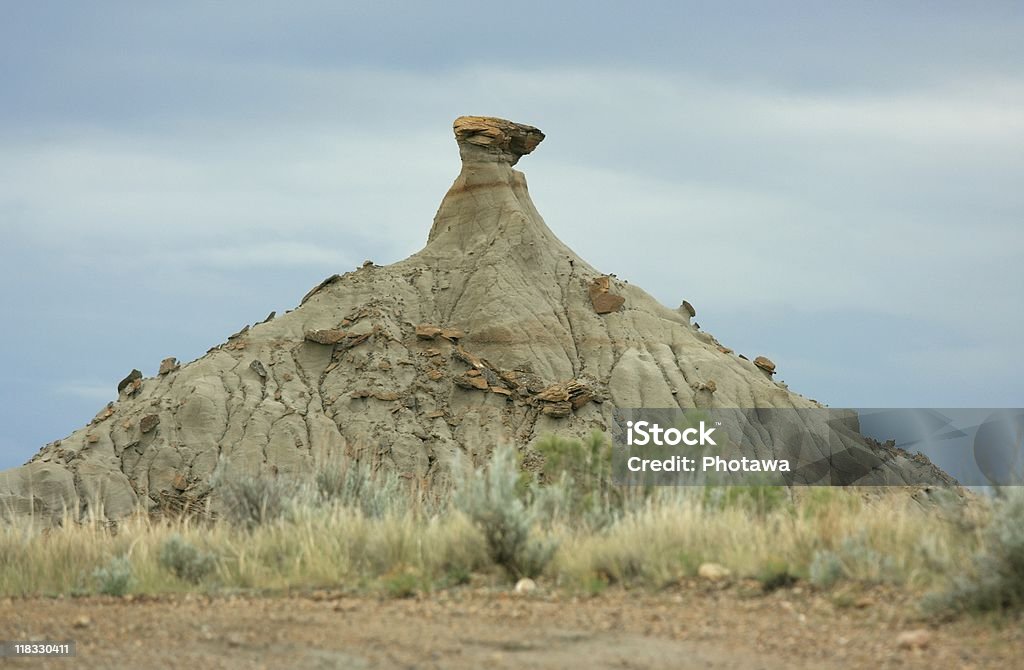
<point x="494" y="332"/>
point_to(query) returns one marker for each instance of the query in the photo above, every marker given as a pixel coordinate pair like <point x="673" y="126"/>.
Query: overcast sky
<point x="837" y="186"/>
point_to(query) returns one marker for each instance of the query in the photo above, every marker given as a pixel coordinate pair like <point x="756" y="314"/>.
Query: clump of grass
<point x="355" y="485"/>
<point x="402" y="583"/>
<point x="185" y="561"/>
<point x="251" y="500"/>
<point x="490" y="499"/>
<point x="581" y="472"/>
<point x="115" y="578"/>
<point x="760" y="499"/>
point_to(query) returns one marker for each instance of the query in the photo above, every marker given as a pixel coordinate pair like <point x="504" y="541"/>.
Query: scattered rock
<point x="472" y="381"/>
<point x="601" y="298"/>
<point x="133" y="376"/>
<point x="557" y="409"/>
<point x="523" y="380"/>
<point x="710" y="386"/>
<point x="82" y="621"/>
<point x="425" y="331"/>
<point x="560" y="399"/>
<point x="713" y="572"/>
<point x="92" y="438"/>
<point x="725" y="350"/>
<point x="168" y="365"/>
<point x="766" y="365"/>
<point x="355" y="340"/>
<point x="270" y="317"/>
<point x="180" y="483"/>
<point x="237" y="335"/>
<point x="149" y="422"/>
<point x="257" y="367"/>
<point x="104" y="413"/>
<point x="319" y="287"/>
<point x="686" y="308"/>
<point x="452" y="334"/>
<point x="326" y="336"/>
<point x="468" y="358"/>
<point x="554" y="393"/>
<point x="525" y="585"/>
<point x="914" y="639"/>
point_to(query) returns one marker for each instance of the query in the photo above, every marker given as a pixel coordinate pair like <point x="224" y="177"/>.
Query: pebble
<point x="914" y="639"/>
<point x="713" y="572"/>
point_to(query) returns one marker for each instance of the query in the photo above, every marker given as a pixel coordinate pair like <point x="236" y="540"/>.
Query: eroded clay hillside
<point x="494" y="332"/>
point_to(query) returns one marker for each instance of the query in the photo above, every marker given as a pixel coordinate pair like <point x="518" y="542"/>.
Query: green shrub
<point x="115" y="578"/>
<point x="865" y="563"/>
<point x="457" y="575"/>
<point x="996" y="580"/>
<point x="775" y="574"/>
<point x="185" y="561"/>
<point x="826" y="569"/>
<point x="401" y="583"/>
<point x="491" y="501"/>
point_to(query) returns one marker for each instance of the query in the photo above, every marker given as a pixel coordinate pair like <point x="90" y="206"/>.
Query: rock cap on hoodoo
<point x="492" y="139"/>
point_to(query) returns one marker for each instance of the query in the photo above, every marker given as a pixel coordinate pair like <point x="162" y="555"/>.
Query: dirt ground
<point x="692" y="627"/>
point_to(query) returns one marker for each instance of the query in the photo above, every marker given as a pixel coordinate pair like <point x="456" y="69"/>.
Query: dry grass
<point x="355" y="531"/>
<point x="889" y="539"/>
<point x="315" y="548"/>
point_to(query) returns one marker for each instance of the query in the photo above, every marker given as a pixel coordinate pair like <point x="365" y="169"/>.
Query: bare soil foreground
<point x="694" y="627"/>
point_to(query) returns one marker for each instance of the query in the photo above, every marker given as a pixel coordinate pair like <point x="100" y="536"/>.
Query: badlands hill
<point x="494" y="332"/>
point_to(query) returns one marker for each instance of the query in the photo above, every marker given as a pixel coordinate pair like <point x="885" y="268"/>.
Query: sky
<point x="837" y="186"/>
